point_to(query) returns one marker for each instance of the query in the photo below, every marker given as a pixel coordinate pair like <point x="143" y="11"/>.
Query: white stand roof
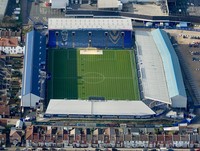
<point x="89" y="23"/>
<point x="60" y="106"/>
<point x="151" y="67"/>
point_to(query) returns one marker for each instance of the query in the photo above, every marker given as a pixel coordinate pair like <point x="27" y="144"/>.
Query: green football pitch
<point x="111" y="75"/>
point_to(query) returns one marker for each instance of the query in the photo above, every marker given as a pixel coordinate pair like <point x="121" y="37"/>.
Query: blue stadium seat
<point x="114" y="39"/>
<point x="52" y="39"/>
<point x="97" y="38"/>
<point x="81" y="38"/>
<point x="65" y="39"/>
<point x="128" y="41"/>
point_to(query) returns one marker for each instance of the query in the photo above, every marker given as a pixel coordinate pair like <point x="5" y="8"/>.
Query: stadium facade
<point x="160" y="78"/>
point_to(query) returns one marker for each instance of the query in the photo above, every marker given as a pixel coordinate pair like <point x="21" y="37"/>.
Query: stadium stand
<point x="98" y="109"/>
<point x="128" y="40"/>
<point x="67" y="38"/>
<point x="172" y="68"/>
<point x="81" y="38"/>
<point x="100" y="33"/>
<point x="52" y="38"/>
<point x="98" y="38"/>
<point x="155" y="51"/>
<point x="34" y="62"/>
<point x="149" y="61"/>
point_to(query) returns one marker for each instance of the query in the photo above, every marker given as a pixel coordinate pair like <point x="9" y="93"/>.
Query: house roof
<point x="160" y="137"/>
<point x="3" y="121"/>
<point x="168" y="138"/>
<point x="29" y="132"/>
<point x="110" y="131"/>
<point x="176" y="137"/>
<point x="128" y="137"/>
<point x="107" y="3"/>
<point x="9" y="42"/>
<point x="3" y="137"/>
<point x="185" y="137"/>
<point x="143" y="137"/>
<point x="4" y="109"/>
<point x="152" y="138"/>
<point x="15" y="133"/>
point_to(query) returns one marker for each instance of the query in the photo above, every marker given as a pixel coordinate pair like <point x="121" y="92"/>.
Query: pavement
<point x="146" y="9"/>
<point x="190" y="74"/>
<point x="37" y="12"/>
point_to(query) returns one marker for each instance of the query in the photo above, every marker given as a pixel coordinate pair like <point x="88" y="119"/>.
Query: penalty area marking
<point x="91" y="52"/>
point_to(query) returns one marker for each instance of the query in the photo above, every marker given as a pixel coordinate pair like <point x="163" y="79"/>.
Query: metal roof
<point x="171" y="63"/>
<point x="58" y="4"/>
<point x="151" y="67"/>
<point x="88" y="23"/>
<point x="60" y="106"/>
<point x="35" y="53"/>
<point x="107" y="3"/>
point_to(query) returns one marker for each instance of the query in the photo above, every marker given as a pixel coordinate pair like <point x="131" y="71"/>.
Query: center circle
<point x="93" y="77"/>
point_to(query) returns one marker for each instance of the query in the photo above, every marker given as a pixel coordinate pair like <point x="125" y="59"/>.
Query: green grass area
<point x="74" y="76"/>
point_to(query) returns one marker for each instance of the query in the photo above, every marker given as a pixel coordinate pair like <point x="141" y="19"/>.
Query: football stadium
<point x="100" y="68"/>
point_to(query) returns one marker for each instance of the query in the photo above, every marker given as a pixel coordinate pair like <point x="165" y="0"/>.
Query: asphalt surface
<point x="39" y="13"/>
<point x="34" y="13"/>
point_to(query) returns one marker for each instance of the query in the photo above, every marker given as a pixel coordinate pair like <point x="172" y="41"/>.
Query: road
<point x="24" y="7"/>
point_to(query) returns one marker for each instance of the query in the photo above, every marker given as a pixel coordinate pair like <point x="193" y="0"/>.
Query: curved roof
<point x="171" y="63"/>
<point x="35" y="53"/>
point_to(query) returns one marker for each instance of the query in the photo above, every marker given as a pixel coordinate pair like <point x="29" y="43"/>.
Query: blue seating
<point x="65" y="39"/>
<point x="115" y="39"/>
<point x="52" y="39"/>
<point x="81" y="38"/>
<point x="97" y="38"/>
<point x="128" y="41"/>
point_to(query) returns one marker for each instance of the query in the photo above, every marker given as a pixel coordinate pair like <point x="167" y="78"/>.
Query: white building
<point x="109" y="4"/>
<point x="13" y="50"/>
<point x="59" y="4"/>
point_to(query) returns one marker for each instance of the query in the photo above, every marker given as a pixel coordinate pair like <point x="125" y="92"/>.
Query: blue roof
<point x="170" y="62"/>
<point x="35" y="53"/>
